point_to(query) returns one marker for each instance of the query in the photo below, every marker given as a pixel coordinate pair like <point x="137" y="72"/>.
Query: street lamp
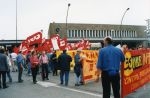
<point x="121" y="23"/>
<point x="16" y="21"/>
<point x="67" y="16"/>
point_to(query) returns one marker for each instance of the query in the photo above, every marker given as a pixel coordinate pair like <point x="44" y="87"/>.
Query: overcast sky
<point x="34" y="15"/>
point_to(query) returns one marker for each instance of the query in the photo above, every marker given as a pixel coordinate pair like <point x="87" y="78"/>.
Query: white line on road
<point x="48" y="84"/>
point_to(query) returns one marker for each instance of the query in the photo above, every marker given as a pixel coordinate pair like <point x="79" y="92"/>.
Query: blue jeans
<point x="66" y="73"/>
<point x="49" y="66"/>
<point x="9" y="76"/>
<point x="29" y="68"/>
<point x="20" y="69"/>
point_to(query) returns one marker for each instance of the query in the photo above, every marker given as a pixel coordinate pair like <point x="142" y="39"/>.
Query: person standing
<point x="28" y="62"/>
<point x="64" y="61"/>
<point x="34" y="65"/>
<point x="54" y="63"/>
<point x="19" y="60"/>
<point x="44" y="64"/>
<point x="108" y="64"/>
<point x="9" y="65"/>
<point x="78" y="67"/>
<point x="3" y="68"/>
<point x="13" y="59"/>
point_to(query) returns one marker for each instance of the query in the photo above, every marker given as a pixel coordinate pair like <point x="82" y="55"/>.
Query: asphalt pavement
<point x="52" y="89"/>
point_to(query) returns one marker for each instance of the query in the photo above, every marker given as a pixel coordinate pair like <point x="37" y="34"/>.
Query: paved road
<point x="52" y="89"/>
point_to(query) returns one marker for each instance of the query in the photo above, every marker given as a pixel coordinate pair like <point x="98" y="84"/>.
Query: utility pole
<point x="16" y="21"/>
<point x="121" y="24"/>
<point x="148" y="32"/>
<point x="67" y="17"/>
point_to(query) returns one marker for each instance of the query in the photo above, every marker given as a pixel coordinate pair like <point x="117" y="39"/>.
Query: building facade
<point x="131" y="35"/>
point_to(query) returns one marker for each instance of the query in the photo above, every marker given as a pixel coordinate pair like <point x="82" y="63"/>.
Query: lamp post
<point x="16" y="22"/>
<point x="121" y="23"/>
<point x="67" y="16"/>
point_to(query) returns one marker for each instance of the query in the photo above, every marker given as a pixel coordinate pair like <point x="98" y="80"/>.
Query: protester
<point x="78" y="68"/>
<point x="13" y="59"/>
<point x="3" y="68"/>
<point x="19" y="60"/>
<point x="28" y="62"/>
<point x="64" y="61"/>
<point x="108" y="63"/>
<point x="34" y="65"/>
<point x="54" y="63"/>
<point x="9" y="65"/>
<point x="49" y="62"/>
<point x="44" y="64"/>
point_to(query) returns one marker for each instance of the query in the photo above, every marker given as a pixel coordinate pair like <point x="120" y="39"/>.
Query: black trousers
<point x="3" y="76"/>
<point x="44" y="71"/>
<point x="34" y="73"/>
<point x="107" y="82"/>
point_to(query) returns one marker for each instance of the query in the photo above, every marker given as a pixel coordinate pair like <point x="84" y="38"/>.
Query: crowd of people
<point x="108" y="66"/>
<point x="34" y="63"/>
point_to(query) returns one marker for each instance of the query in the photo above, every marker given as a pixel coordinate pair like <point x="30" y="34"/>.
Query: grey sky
<point x="34" y="15"/>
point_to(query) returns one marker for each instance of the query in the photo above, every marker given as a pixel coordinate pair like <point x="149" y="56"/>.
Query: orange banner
<point x="135" y="70"/>
<point x="89" y="63"/>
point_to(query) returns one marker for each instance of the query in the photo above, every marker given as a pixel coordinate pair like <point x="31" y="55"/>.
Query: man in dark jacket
<point x="3" y="68"/>
<point x="64" y="61"/>
<point x="54" y="63"/>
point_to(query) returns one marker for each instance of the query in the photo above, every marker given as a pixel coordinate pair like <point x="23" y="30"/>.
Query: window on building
<point x="76" y="33"/>
<point x="85" y="35"/>
<point x="109" y="32"/>
<point x="135" y="33"/>
<point x="118" y="33"/>
<point x="79" y="33"/>
<point x="73" y="34"/>
<point x="94" y="33"/>
<point x="112" y="33"/>
<point x="82" y="34"/>
<point x="102" y="33"/>
<point x="125" y="33"/>
<point x="88" y="35"/>
<point x="68" y="33"/>
<point x="130" y="33"/>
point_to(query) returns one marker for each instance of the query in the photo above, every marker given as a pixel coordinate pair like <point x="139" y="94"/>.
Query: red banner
<point x="24" y="47"/>
<point x="135" y="70"/>
<point x="34" y="39"/>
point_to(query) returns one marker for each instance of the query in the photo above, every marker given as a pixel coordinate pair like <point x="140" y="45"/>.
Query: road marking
<point x="46" y="84"/>
<point x="49" y="84"/>
<point x="80" y="91"/>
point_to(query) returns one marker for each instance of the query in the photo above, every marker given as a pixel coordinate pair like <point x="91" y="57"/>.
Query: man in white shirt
<point x="13" y="58"/>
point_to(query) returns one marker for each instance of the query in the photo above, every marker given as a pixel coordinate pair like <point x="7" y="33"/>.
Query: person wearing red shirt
<point x="34" y="65"/>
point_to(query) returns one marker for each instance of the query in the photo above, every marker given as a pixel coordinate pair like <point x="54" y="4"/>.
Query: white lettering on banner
<point x="34" y="38"/>
<point x="62" y="43"/>
<point x="55" y="44"/>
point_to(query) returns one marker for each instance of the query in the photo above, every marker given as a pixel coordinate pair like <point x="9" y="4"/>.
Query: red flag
<point x="45" y="46"/>
<point x="69" y="47"/>
<point x="62" y="43"/>
<point x="55" y="41"/>
<point x="34" y="39"/>
<point x="23" y="47"/>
